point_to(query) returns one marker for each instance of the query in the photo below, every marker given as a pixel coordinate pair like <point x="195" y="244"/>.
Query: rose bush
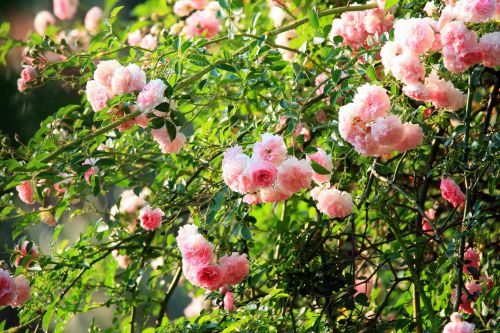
<point x="294" y="166"/>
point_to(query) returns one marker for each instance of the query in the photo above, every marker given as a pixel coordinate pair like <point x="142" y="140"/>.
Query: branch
<point x="168" y="295"/>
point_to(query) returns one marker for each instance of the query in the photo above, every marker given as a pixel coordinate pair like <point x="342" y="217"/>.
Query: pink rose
<point x="210" y="276"/>
<point x="235" y="268"/>
<point x="42" y="20"/>
<point x="372" y="102"/>
<point x="234" y="165"/>
<point x="22" y="291"/>
<point x="261" y="174"/>
<point x="23" y="252"/>
<point x="7" y="288"/>
<point x="451" y="192"/>
<point x="294" y="175"/>
<point x="93" y="19"/>
<point x="274" y="194"/>
<point x="149" y="42"/>
<point x="272" y="148"/>
<point x="167" y="146"/>
<point x="65" y="9"/>
<point x="412" y="137"/>
<point x="456" y="325"/>
<point x="151" y="95"/>
<point x="202" y="24"/>
<point x="471" y="259"/>
<point x="325" y="160"/>
<point x="414" y="35"/>
<point x="387" y="130"/>
<point x="97" y="95"/>
<point x="228" y="301"/>
<point x="28" y="74"/>
<point x="25" y="192"/>
<point x="489" y="46"/>
<point x="334" y="203"/>
<point x="407" y="68"/>
<point x="134" y="38"/>
<point x="150" y="218"/>
<point x="443" y="94"/>
<point x="194" y="308"/>
<point x="128" y="79"/>
<point x="195" y="249"/>
<point x="129" y="202"/>
<point x="121" y="259"/>
<point x="105" y="71"/>
<point x="474" y="290"/>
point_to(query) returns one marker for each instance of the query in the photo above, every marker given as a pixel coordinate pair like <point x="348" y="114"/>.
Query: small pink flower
<point x="417" y="91"/>
<point x="167" y="146"/>
<point x="93" y="19"/>
<point x="407" y="68"/>
<point x="320" y="80"/>
<point x="430" y="8"/>
<point x="388" y="53"/>
<point x="149" y="42"/>
<point x="372" y="102"/>
<point x="335" y="203"/>
<point x="183" y="8"/>
<point x="23" y="252"/>
<point x="97" y="95"/>
<point x="25" y="192"/>
<point x="252" y="198"/>
<point x="451" y="192"/>
<point x="443" y="94"/>
<point x="228" y="301"/>
<point x="471" y="259"/>
<point x="105" y="71"/>
<point x="194" y="308"/>
<point x="387" y="131"/>
<point x="273" y="194"/>
<point x="65" y="9"/>
<point x="128" y="79"/>
<point x="474" y="290"/>
<point x="210" y="276"/>
<point x="122" y="260"/>
<point x="134" y="38"/>
<point x="456" y="325"/>
<point x="7" y="288"/>
<point x="22" y="291"/>
<point x="489" y="46"/>
<point x="294" y="175"/>
<point x="150" y="218"/>
<point x="413" y="35"/>
<point x="235" y="268"/>
<point x="475" y="11"/>
<point x="412" y="137"/>
<point x="272" y="148"/>
<point x="151" y="95"/>
<point x="195" y="249"/>
<point x="28" y="74"/>
<point x="426" y="227"/>
<point x="21" y="85"/>
<point x="202" y="24"/>
<point x="42" y="20"/>
<point x="129" y="202"/>
<point x="91" y="171"/>
<point x="234" y="165"/>
<point x="325" y="160"/>
<point x="261" y="174"/>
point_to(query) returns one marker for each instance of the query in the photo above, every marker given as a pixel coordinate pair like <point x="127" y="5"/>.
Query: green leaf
<point x="370" y="71"/>
<point x="318" y="168"/>
<point x="278" y="66"/>
<point x="362" y="299"/>
<point x="47" y="317"/>
<point x="198" y="60"/>
<point x="178" y="118"/>
<point x="171" y="129"/>
<point x="314" y="19"/>
<point x="115" y="11"/>
<point x="156" y="123"/>
<point x="224" y="4"/>
<point x="246" y="234"/>
<point x="390" y="3"/>
<point x="227" y="68"/>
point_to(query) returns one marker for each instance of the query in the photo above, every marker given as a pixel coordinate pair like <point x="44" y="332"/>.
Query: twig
<point x="168" y="295"/>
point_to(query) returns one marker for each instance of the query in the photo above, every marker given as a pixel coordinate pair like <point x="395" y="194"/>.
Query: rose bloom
<point x="426" y="227"/>
<point x="456" y="325"/>
<point x="273" y="194"/>
<point x="475" y="11"/>
<point x="151" y="95"/>
<point x="128" y="79"/>
<point x="294" y="175"/>
<point x="194" y="308"/>
<point x="451" y="192"/>
<point x="271" y="148"/>
<point x="388" y="53"/>
<point x="471" y="259"/>
<point x="412" y="137"/>
<point x="25" y="192"/>
<point x="443" y="94"/>
<point x="21" y="85"/>
<point x="489" y="46"/>
<point x="430" y="8"/>
<point x="474" y="290"/>
<point x="228" y="301"/>
<point x="323" y="159"/>
<point x="320" y="80"/>
<point x="122" y="260"/>
<point x="28" y="74"/>
<point x="150" y="218"/>
<point x="235" y="267"/>
<point x="129" y="202"/>
<point x="42" y="20"/>
<point x="335" y="203"/>
<point x="22" y="291"/>
<point x="387" y="130"/>
<point x="149" y="42"/>
<point x="261" y="174"/>
<point x="7" y="288"/>
<point x="233" y="171"/>
<point x="417" y="91"/>
<point x="93" y="19"/>
<point x="105" y="71"/>
<point x="196" y="250"/>
<point x="210" y="277"/>
<point x="183" y="8"/>
<point x="202" y="24"/>
<point x="407" y="68"/>
<point x="134" y="38"/>
<point x="65" y="9"/>
<point x="167" y="146"/>
<point x="252" y="198"/>
<point x="414" y="35"/>
<point x="372" y="102"/>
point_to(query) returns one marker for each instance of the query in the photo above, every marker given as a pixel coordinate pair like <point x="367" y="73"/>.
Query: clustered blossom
<point x="168" y="146"/>
<point x="325" y="160"/>
<point x="456" y="325"/>
<point x="355" y="27"/>
<point x="333" y="202"/>
<point x="14" y="291"/>
<point x="366" y="124"/>
<point x="150" y="218"/>
<point x="451" y="192"/>
<point x="270" y="175"/>
<point x="200" y="18"/>
<point x="200" y="264"/>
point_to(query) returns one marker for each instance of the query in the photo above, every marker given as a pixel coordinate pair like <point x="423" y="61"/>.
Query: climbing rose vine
<point x="261" y="166"/>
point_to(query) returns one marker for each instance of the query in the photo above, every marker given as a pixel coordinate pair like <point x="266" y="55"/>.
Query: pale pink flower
<point x="105" y="71"/>
<point x="202" y="24"/>
<point x="196" y="250"/>
<point x="21" y="85"/>
<point x="475" y="11"/>
<point x="97" y="95"/>
<point x="474" y="290"/>
<point x="122" y="260"/>
<point x="320" y="80"/>
<point x="417" y="91"/>
<point x="387" y="131"/>
<point x="233" y="170"/>
<point x="228" y="301"/>
<point x="28" y="73"/>
<point x="284" y="39"/>
<point x="252" y="199"/>
<point x="489" y="46"/>
<point x="348" y="118"/>
<point x="277" y="15"/>
<point x="91" y="171"/>
<point x="142" y="120"/>
<point x="407" y="68"/>
<point x="451" y="192"/>
<point x="376" y="22"/>
<point x="93" y="19"/>
<point x="456" y="325"/>
<point x="167" y="146"/>
<point x="150" y="218"/>
<point x="128" y="79"/>
<point x="183" y="8"/>
<point x="149" y="42"/>
<point x="235" y="267"/>
<point x="460" y="47"/>
<point x="130" y="202"/>
<point x="335" y="203"/>
<point x="25" y="192"/>
<point x="323" y="159"/>
<point x="7" y="288"/>
<point x="363" y="287"/>
<point x="210" y="276"/>
<point x="273" y="194"/>
<point x="471" y="259"/>
<point x="185" y="233"/>
<point x="412" y="137"/>
<point x="350" y="27"/>
<point x="372" y="102"/>
<point x="272" y="148"/>
<point x="151" y="95"/>
<point x="42" y="20"/>
<point x="22" y="291"/>
<point x="430" y="8"/>
<point x="261" y="174"/>
<point x="426" y="227"/>
<point x="22" y="252"/>
<point x="65" y="9"/>
<point x="388" y="53"/>
<point x="134" y="38"/>
<point x="413" y="35"/>
<point x="194" y="308"/>
<point x="294" y="175"/>
<point x="198" y="4"/>
<point x="443" y="94"/>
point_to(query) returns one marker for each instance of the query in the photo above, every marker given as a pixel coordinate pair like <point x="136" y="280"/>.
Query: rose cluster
<point x="366" y="124"/>
<point x="456" y="325"/>
<point x="200" y="18"/>
<point x="332" y="202"/>
<point x="451" y="192"/>
<point x="200" y="264"/>
<point x="356" y="27"/>
<point x="14" y="291"/>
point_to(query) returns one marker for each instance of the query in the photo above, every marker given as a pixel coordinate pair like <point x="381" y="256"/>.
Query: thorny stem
<point x="168" y="295"/>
